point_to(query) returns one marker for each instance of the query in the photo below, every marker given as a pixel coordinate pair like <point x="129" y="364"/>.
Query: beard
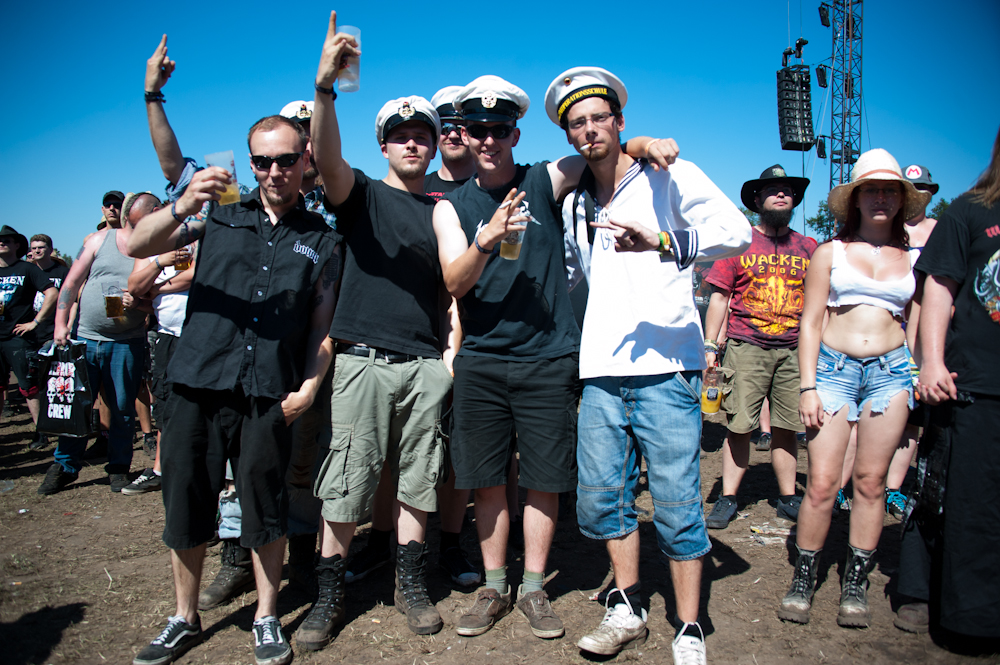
<point x="276" y="199"/>
<point x="776" y="219"/>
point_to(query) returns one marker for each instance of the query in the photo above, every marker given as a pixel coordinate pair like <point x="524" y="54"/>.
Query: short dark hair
<point x="272" y="122"/>
<point x="41" y="237"/>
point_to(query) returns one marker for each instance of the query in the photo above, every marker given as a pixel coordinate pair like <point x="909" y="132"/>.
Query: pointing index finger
<point x="332" y="30"/>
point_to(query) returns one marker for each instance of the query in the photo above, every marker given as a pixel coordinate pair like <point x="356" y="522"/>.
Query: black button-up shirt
<point x="249" y="306"/>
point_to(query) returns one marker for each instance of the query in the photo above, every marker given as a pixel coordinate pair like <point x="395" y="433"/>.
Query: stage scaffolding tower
<point x="845" y="122"/>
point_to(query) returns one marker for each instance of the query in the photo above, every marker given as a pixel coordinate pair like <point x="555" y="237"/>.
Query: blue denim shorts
<point x="624" y="420"/>
<point x="841" y="379"/>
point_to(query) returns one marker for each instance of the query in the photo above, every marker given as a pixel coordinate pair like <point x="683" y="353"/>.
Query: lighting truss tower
<point x="845" y="125"/>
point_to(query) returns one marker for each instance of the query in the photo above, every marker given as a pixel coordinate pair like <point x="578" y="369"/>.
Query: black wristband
<point x="156" y="97"/>
<point x="475" y="241"/>
<point x="805" y="390"/>
<point x="173" y="211"/>
<point x="326" y="91"/>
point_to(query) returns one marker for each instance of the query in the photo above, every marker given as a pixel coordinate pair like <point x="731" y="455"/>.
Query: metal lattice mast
<point x="845" y="121"/>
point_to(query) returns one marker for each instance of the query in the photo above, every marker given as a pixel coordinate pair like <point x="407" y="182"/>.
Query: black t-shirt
<point x="390" y="293"/>
<point x="249" y="306"/>
<point x="518" y="310"/>
<point x="436" y="187"/>
<point x="965" y="247"/>
<point x="46" y="329"/>
<point x="18" y="285"/>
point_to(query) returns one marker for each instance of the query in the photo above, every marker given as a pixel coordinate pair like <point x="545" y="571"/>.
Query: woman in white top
<point x="856" y="369"/>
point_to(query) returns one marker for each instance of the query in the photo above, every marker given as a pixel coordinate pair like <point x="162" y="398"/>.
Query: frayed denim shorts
<point x="843" y="380"/>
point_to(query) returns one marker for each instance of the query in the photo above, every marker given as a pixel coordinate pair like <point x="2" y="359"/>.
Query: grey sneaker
<point x="722" y="513"/>
<point x="789" y="509"/>
<point x="147" y="481"/>
<point x="535" y="607"/>
<point x="764" y="442"/>
<point x="56" y="479"/>
<point x="270" y="646"/>
<point x="456" y="563"/>
<point x="621" y="628"/>
<point x="490" y="607"/>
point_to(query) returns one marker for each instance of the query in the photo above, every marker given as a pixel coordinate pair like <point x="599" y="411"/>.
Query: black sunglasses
<point x="479" y="132"/>
<point x="449" y="127"/>
<point x="263" y="162"/>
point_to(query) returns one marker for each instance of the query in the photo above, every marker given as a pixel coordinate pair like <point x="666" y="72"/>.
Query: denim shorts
<point x="841" y="379"/>
<point x="624" y="420"/>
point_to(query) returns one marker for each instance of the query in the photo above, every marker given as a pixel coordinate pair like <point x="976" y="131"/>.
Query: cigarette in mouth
<point x="585" y="146"/>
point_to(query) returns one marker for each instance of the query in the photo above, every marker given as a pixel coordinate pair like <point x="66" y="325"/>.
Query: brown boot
<point x="411" y="589"/>
<point x="328" y="611"/>
<point x="234" y="578"/>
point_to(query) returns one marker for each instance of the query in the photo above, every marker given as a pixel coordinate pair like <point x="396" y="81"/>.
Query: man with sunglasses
<point x="457" y="163"/>
<point x="111" y="208"/>
<point x="641" y="352"/>
<point x="245" y="366"/>
<point x="388" y="334"/>
<point x="763" y="289"/>
<point x="517" y="369"/>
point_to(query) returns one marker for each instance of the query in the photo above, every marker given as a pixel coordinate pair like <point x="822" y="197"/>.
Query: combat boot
<point x="328" y="611"/>
<point x="796" y="603"/>
<point x="411" y="589"/>
<point x="854" y="610"/>
<point x="234" y="577"/>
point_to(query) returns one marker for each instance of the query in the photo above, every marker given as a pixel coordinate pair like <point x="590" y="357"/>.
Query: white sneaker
<point x="621" y="628"/>
<point x="689" y="650"/>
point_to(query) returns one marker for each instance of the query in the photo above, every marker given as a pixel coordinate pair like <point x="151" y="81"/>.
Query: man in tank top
<point x="115" y="344"/>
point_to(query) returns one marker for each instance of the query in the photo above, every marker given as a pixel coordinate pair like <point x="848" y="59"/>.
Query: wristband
<point x="475" y="241"/>
<point x="806" y="389"/>
<point x="646" y="149"/>
<point x="326" y="91"/>
<point x="156" y="260"/>
<point x="711" y="345"/>
<point x="156" y="97"/>
<point x="173" y="211"/>
<point x="665" y="246"/>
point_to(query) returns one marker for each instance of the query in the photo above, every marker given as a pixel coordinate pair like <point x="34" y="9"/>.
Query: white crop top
<point x="850" y="287"/>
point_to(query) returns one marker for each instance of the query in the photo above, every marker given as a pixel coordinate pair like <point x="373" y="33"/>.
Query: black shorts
<point x="207" y="428"/>
<point x="14" y="353"/>
<point x="536" y="399"/>
<point x="163" y="350"/>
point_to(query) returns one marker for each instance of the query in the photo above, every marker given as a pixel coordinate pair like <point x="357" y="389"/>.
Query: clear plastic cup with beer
<point x="711" y="393"/>
<point x="182" y="260"/>
<point x="113" y="306"/>
<point x="349" y="78"/>
<point x="226" y="160"/>
<point x="510" y="246"/>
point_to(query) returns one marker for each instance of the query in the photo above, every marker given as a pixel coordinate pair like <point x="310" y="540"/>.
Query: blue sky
<point x="75" y="123"/>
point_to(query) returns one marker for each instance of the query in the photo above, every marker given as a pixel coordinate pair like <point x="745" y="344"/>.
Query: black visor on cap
<point x="395" y="120"/>
<point x="448" y="112"/>
<point x="602" y="91"/>
<point x="500" y="110"/>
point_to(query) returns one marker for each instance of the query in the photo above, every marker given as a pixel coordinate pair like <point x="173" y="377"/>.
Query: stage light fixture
<point x="799" y="43"/>
<point x="820" y="148"/>
<point x="824" y="15"/>
<point x="785" y="55"/>
<point x="821" y="75"/>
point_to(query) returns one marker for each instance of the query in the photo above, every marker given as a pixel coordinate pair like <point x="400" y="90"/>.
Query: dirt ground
<point x="85" y="578"/>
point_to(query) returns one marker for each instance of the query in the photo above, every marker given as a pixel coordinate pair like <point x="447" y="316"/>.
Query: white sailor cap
<point x="579" y="83"/>
<point x="404" y="109"/>
<point x="444" y="101"/>
<point x="491" y="99"/>
<point x="299" y="111"/>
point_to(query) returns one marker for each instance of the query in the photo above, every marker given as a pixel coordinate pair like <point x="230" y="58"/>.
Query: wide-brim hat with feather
<point x="876" y="164"/>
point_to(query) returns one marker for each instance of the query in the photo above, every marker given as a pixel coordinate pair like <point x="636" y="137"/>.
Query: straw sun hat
<point x="875" y="164"/>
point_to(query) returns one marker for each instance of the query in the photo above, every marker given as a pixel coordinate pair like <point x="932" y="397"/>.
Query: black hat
<point x="8" y="232"/>
<point x="771" y="174"/>
<point x="113" y="194"/>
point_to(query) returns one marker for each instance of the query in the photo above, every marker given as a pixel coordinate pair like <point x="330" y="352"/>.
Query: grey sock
<point x="497" y="579"/>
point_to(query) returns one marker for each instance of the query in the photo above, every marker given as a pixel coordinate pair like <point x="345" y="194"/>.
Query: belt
<point x="380" y="354"/>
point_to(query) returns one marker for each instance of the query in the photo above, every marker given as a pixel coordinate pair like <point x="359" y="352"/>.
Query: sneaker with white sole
<point x="270" y="645"/>
<point x="895" y="503"/>
<point x="176" y="638"/>
<point x="621" y="628"/>
<point x="722" y="513"/>
<point x="147" y="481"/>
<point x="455" y="562"/>
<point x="688" y="649"/>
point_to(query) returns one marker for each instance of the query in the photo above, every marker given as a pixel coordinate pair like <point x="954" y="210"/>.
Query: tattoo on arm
<point x="317" y="301"/>
<point x="188" y="235"/>
<point x="65" y="300"/>
<point x="332" y="271"/>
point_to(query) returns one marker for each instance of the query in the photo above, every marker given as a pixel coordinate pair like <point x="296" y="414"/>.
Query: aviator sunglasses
<point x="479" y="132"/>
<point x="263" y="162"/>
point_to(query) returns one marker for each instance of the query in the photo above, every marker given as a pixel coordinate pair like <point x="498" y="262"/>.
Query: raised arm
<point x="319" y="349"/>
<point x="172" y="227"/>
<point x="565" y="172"/>
<point x="338" y="178"/>
<point x="158" y="70"/>
<point x="462" y="263"/>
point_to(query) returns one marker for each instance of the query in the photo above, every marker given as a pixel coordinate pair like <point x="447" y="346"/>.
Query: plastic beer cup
<point x="711" y="394"/>
<point x="113" y="307"/>
<point x="226" y="160"/>
<point x="349" y="78"/>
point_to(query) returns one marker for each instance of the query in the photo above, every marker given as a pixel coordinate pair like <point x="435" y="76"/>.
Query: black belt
<point x="380" y="354"/>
